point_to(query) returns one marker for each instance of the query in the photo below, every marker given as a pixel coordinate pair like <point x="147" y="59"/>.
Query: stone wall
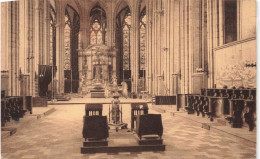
<point x="230" y="64"/>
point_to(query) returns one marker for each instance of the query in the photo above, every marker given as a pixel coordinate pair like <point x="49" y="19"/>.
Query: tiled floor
<point x="59" y="136"/>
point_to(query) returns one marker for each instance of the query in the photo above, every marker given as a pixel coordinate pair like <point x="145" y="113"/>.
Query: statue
<point x="114" y="80"/>
<point x="115" y="110"/>
<point x="114" y="86"/>
<point x="98" y="72"/>
<point x="125" y="89"/>
<point x="83" y="80"/>
<point x="115" y="114"/>
<point x="107" y="89"/>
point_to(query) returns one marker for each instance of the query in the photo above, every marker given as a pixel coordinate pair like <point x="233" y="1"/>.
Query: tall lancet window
<point x="67" y="42"/>
<point x="52" y="37"/>
<point x="142" y="56"/>
<point x="126" y="40"/>
<point x="122" y="40"/>
<point x="230" y="19"/>
<point x="98" y="26"/>
<point x="70" y="55"/>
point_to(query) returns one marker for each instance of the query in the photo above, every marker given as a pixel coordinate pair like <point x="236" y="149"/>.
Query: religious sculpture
<point x="115" y="110"/>
<point x="98" y="65"/>
<point x="115" y="115"/>
<point x="125" y="89"/>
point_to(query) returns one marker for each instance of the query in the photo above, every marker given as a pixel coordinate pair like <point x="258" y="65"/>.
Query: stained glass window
<point x="98" y="25"/>
<point x="142" y="39"/>
<point x="67" y="43"/>
<point x="51" y="43"/>
<point x="230" y="14"/>
<point x="52" y="36"/>
<point x="126" y="40"/>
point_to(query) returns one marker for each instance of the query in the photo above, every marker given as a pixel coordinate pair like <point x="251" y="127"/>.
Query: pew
<point x="195" y="104"/>
<point x="149" y="124"/>
<point x="182" y="101"/>
<point x="3" y="118"/>
<point x="205" y="107"/>
<point x="137" y="109"/>
<point x="252" y="94"/>
<point x="15" y="106"/>
<point x="40" y="101"/>
<point x="189" y="107"/>
<point x="5" y="112"/>
<point x="165" y="100"/>
<point x="223" y="102"/>
<point x="202" y="104"/>
<point x="236" y="107"/>
<point x="250" y="115"/>
<point x="218" y="107"/>
<point x="29" y="103"/>
<point x="198" y="104"/>
<point x="232" y="93"/>
<point x="93" y="109"/>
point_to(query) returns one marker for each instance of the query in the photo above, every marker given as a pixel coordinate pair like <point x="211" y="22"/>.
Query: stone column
<point x="60" y="47"/>
<point x="186" y="46"/>
<point x="42" y="56"/>
<point x="153" y="55"/>
<point x="221" y="25"/>
<point x="175" y="41"/>
<point x="80" y="65"/>
<point x="23" y="47"/>
<point x="212" y="38"/>
<point x="181" y="49"/>
<point x="114" y="64"/>
<point x="134" y="53"/>
<point x="29" y="44"/>
<point x="148" y="48"/>
<point x="110" y="27"/>
<point x="46" y="33"/>
<point x="36" y="47"/>
<point x="90" y="67"/>
<point x="5" y="44"/>
<point x="166" y="49"/>
<point x="23" y="16"/>
<point x="193" y="39"/>
<point x="171" y="45"/>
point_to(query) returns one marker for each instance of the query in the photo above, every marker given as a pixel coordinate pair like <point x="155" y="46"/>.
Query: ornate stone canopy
<point x="97" y="64"/>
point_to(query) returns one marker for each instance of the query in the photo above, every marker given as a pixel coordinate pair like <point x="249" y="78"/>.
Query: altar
<point x="97" y="69"/>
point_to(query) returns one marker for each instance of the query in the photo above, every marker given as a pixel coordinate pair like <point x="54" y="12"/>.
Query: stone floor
<point x="59" y="136"/>
<point x="96" y="100"/>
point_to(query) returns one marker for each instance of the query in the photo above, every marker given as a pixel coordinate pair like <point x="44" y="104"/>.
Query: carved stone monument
<point x="97" y="65"/>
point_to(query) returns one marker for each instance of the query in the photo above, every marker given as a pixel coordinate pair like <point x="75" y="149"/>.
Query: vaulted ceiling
<point x="83" y="7"/>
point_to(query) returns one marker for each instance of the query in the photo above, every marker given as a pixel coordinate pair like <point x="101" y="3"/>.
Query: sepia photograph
<point x="128" y="79"/>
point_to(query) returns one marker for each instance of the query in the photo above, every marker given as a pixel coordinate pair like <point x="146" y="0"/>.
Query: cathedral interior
<point x="149" y="78"/>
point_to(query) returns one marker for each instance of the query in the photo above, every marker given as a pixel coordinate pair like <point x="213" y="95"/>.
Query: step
<point x="116" y="149"/>
<point x="95" y="143"/>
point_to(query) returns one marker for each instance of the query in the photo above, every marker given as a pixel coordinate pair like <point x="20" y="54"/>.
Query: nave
<point x="59" y="135"/>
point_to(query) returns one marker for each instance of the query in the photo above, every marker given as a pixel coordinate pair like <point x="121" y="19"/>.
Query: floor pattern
<point x="59" y="136"/>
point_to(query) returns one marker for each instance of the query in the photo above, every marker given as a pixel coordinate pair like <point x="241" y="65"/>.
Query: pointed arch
<point x="52" y="36"/>
<point x="123" y="32"/>
<point x="98" y="25"/>
<point x="142" y="49"/>
<point x="120" y="6"/>
<point x="71" y="36"/>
